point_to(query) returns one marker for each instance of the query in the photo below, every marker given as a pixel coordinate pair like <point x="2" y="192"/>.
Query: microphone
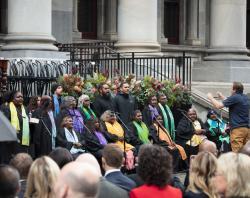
<point x="115" y="112"/>
<point x="181" y="110"/>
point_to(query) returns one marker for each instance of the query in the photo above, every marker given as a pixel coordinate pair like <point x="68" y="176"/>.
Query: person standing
<point x="124" y="103"/>
<point x="103" y="101"/>
<point x="16" y="113"/>
<point x="167" y="115"/>
<point x="238" y="115"/>
<point x="85" y="109"/>
<point x="57" y="91"/>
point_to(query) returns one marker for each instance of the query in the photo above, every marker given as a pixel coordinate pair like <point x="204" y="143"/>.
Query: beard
<point x="106" y="96"/>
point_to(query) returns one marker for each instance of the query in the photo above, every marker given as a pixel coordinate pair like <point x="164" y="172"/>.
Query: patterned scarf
<point x="53" y="134"/>
<point x="168" y="114"/>
<point x="15" y="123"/>
<point x="77" y="120"/>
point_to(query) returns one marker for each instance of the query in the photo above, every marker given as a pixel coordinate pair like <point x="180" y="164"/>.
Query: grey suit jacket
<point x="109" y="190"/>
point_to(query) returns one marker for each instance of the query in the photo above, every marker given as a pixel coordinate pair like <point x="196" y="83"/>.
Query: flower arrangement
<point x="176" y="93"/>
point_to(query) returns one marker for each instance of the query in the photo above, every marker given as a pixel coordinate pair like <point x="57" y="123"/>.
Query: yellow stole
<point x="117" y="129"/>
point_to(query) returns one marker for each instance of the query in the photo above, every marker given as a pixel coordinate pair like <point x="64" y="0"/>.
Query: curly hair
<point x="155" y="165"/>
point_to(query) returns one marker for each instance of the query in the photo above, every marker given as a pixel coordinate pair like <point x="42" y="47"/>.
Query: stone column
<point x="228" y="30"/>
<point x="137" y="26"/>
<point x="193" y="25"/>
<point x="110" y="24"/>
<point x="76" y="33"/>
<point x="29" y="25"/>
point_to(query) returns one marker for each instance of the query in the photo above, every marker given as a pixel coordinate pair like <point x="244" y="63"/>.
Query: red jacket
<point x="152" y="191"/>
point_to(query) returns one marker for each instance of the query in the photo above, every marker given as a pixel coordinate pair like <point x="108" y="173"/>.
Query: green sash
<point x="142" y="131"/>
<point x="87" y="114"/>
<point x="170" y="129"/>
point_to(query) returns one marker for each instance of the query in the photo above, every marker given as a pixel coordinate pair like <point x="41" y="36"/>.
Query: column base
<point x="193" y="42"/>
<point x="29" y="42"/>
<point x="230" y="53"/>
<point x="137" y="46"/>
<point x="221" y="71"/>
<point x="76" y="36"/>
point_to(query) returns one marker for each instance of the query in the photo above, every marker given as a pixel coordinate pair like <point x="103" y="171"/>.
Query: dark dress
<point x="190" y="194"/>
<point x="101" y="104"/>
<point x="42" y="133"/>
<point x="125" y="105"/>
<point x="146" y="116"/>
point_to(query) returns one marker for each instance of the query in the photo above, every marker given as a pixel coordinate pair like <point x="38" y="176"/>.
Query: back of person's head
<point x="246" y="149"/>
<point x="77" y="179"/>
<point x="89" y="159"/>
<point x="155" y="165"/>
<point x="22" y="162"/>
<point x="238" y="87"/>
<point x="42" y="176"/>
<point x="202" y="170"/>
<point x="234" y="168"/>
<point x="112" y="156"/>
<point x="208" y="146"/>
<point x="9" y="181"/>
<point x="61" y="156"/>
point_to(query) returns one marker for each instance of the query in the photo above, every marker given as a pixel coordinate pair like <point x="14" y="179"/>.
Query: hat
<point x="54" y="87"/>
<point x="211" y="112"/>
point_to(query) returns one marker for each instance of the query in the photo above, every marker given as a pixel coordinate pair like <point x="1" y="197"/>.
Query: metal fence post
<point x="133" y="62"/>
<point x="3" y="77"/>
<point x="183" y="69"/>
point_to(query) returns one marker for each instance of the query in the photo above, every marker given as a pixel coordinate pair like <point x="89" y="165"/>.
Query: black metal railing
<point x="175" y="68"/>
<point x="34" y="77"/>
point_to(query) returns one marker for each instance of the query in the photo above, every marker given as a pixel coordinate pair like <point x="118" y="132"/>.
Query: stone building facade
<point x="215" y="32"/>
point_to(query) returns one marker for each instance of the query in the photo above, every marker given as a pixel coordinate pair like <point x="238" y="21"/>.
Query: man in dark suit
<point x="112" y="160"/>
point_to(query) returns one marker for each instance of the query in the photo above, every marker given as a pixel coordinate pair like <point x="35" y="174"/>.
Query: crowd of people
<point x="108" y="147"/>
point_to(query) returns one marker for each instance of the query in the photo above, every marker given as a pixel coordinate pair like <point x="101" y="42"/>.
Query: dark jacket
<point x="120" y="180"/>
<point x="190" y="194"/>
<point x="125" y="105"/>
<point x="133" y="136"/>
<point x="185" y="131"/>
<point x="42" y="133"/>
<point x="101" y="104"/>
<point x="146" y="116"/>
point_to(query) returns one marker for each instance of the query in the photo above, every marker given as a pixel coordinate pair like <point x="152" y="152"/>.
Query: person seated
<point x="138" y="130"/>
<point x="96" y="138"/>
<point x="84" y="108"/>
<point x="112" y="160"/>
<point x="217" y="131"/>
<point x="61" y="156"/>
<point x="150" y="112"/>
<point x="112" y="126"/>
<point x="68" y="108"/>
<point x="155" y="168"/>
<point x="162" y="137"/>
<point x="69" y="139"/>
<point x="190" y="132"/>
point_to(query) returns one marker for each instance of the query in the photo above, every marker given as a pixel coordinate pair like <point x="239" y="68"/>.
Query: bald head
<point x="91" y="160"/>
<point x="208" y="146"/>
<point x="246" y="149"/>
<point x="77" y="179"/>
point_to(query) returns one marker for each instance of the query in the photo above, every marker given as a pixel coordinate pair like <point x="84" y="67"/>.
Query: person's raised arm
<point x="215" y="103"/>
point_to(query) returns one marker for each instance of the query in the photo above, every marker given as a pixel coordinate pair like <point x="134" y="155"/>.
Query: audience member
<point x="202" y="170"/>
<point x="112" y="160"/>
<point x="9" y="181"/>
<point x="42" y="177"/>
<point x="61" y="156"/>
<point x="22" y="162"/>
<point x="246" y="149"/>
<point x="155" y="168"/>
<point x="233" y="176"/>
<point x="106" y="188"/>
<point x="34" y="103"/>
<point x="150" y="111"/>
<point x="208" y="146"/>
<point x="77" y="180"/>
